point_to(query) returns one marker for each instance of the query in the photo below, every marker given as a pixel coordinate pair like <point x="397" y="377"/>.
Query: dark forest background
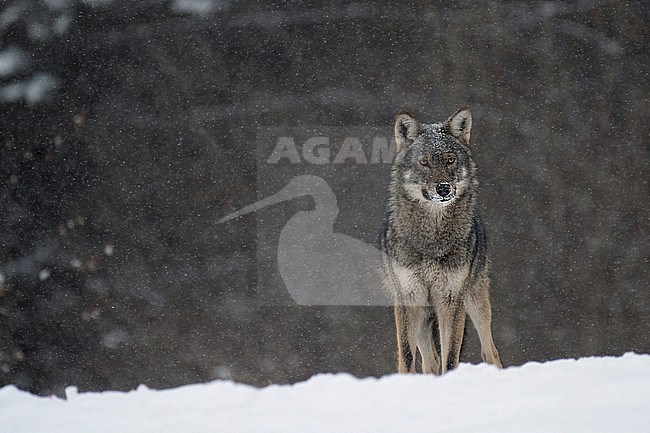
<point x="127" y="130"/>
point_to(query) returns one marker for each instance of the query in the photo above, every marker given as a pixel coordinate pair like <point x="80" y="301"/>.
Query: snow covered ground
<point x="586" y="395"/>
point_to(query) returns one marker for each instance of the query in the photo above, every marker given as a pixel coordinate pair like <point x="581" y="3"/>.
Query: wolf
<point x="434" y="246"/>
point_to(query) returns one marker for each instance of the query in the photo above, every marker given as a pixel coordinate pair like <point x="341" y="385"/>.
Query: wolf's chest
<point x="429" y="282"/>
<point x="425" y="242"/>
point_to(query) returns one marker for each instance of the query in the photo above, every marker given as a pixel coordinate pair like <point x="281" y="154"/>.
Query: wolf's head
<point x="433" y="164"/>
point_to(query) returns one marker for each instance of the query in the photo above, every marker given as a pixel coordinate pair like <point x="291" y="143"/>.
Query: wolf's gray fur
<point x="434" y="244"/>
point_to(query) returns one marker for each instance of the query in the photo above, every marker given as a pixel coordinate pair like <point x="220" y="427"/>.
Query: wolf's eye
<point x="451" y="160"/>
<point x="424" y="162"/>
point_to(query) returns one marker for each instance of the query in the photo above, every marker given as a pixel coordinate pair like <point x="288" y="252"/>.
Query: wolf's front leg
<point x="422" y="329"/>
<point x="451" y="322"/>
<point x="405" y="349"/>
<point x="480" y="312"/>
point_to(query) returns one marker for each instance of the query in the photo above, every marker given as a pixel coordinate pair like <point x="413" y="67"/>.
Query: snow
<point x="32" y="90"/>
<point x="604" y="394"/>
<point x="198" y="6"/>
<point x="12" y="61"/>
<point x="44" y="274"/>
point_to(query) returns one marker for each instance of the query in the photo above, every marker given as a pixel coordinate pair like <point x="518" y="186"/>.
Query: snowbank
<point x="586" y="395"/>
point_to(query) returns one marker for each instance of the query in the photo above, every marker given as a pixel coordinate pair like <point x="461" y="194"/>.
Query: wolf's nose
<point x="443" y="189"/>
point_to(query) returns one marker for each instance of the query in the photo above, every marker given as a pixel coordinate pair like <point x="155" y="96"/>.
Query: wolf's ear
<point x="407" y="130"/>
<point x="460" y="124"/>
